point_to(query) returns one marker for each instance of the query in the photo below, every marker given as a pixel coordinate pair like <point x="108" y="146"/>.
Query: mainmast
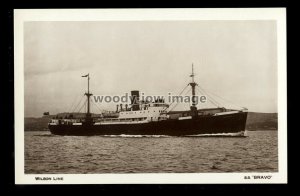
<point x="88" y="95"/>
<point x="193" y="84"/>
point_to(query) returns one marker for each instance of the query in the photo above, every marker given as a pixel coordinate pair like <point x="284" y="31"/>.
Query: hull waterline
<point x="210" y="124"/>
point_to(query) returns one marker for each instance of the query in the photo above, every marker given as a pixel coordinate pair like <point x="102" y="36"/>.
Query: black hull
<point x="229" y="123"/>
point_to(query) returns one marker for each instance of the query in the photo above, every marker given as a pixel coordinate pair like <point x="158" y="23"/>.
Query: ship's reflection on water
<point x="46" y="153"/>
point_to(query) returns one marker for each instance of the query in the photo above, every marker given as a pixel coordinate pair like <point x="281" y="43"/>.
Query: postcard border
<point x="22" y="15"/>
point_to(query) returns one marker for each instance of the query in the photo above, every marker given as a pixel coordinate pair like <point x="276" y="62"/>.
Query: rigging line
<point x="78" y="104"/>
<point x="208" y="94"/>
<point x="188" y="92"/>
<point x="180" y="93"/>
<point x="73" y="104"/>
<point x="177" y="95"/>
<point x="201" y="92"/>
<point x="82" y="106"/>
<point x="213" y="101"/>
<point x="96" y="106"/>
<point x="178" y="102"/>
<point x="183" y="89"/>
<point x="189" y="104"/>
<point x="225" y="100"/>
<point x="173" y="107"/>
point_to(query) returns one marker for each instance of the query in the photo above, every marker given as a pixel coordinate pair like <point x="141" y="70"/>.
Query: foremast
<point x="88" y="116"/>
<point x="193" y="84"/>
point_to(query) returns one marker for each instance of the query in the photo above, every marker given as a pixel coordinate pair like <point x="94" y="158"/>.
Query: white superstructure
<point x="149" y="112"/>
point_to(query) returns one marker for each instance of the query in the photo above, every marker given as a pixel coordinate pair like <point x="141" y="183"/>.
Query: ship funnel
<point x="135" y="96"/>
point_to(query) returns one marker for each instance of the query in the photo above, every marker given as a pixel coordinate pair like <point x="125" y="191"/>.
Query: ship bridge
<point x="144" y="111"/>
<point x="148" y="112"/>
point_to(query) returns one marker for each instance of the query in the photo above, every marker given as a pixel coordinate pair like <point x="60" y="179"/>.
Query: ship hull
<point x="227" y="123"/>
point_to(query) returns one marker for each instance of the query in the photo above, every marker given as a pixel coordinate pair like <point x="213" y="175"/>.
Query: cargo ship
<point x="155" y="118"/>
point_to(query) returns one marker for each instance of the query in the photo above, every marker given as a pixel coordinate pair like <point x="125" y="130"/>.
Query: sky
<point x="236" y="60"/>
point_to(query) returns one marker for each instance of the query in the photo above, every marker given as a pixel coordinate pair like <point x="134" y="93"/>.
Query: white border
<point x="20" y="16"/>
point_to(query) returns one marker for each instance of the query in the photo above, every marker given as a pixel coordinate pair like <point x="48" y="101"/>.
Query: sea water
<point x="51" y="154"/>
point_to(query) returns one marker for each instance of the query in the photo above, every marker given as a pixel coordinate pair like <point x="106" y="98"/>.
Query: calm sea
<point x="50" y="154"/>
